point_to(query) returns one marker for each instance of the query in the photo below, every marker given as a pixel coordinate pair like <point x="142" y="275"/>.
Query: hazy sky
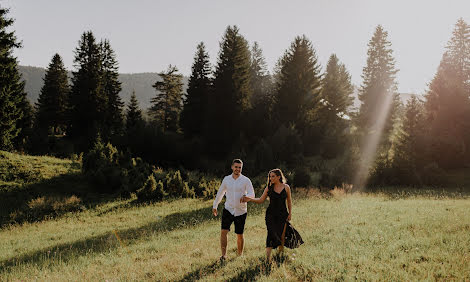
<point x="147" y="36"/>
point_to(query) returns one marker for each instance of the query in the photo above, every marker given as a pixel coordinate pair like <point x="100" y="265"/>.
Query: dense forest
<point x="300" y="116"/>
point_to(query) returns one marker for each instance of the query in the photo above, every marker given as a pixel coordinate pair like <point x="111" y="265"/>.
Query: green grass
<point x="26" y="169"/>
<point x="347" y="237"/>
<point x="37" y="187"/>
<point x="391" y="234"/>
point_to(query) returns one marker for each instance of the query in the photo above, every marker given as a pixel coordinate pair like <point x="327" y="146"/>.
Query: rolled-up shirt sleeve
<point x="220" y="194"/>
<point x="250" y="192"/>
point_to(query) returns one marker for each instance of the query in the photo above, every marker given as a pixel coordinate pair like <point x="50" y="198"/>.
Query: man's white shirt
<point x="234" y="189"/>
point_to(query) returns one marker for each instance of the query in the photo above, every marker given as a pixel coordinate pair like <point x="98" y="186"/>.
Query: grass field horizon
<point x="390" y="234"/>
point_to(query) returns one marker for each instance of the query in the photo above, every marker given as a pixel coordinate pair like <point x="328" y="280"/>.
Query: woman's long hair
<point x="278" y="172"/>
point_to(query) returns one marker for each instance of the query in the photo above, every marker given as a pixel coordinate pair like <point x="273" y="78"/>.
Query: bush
<point x="152" y="190"/>
<point x="101" y="165"/>
<point x="43" y="207"/>
<point x="176" y="187"/>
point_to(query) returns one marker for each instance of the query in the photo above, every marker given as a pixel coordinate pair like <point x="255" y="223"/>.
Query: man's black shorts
<point x="239" y="221"/>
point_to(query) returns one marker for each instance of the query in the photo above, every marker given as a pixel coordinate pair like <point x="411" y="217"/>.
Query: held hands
<point x="244" y="199"/>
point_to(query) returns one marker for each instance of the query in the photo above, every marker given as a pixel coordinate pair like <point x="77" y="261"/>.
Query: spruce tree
<point x="408" y="145"/>
<point x="13" y="102"/>
<point x="298" y="82"/>
<point x="194" y="114"/>
<point x="378" y="89"/>
<point x="88" y="100"/>
<point x="166" y="106"/>
<point x="379" y="107"/>
<point x="447" y="103"/>
<point x="112" y="87"/>
<point x="260" y="79"/>
<point x="134" y="117"/>
<point x="260" y="125"/>
<point x="298" y="85"/>
<point x="336" y="95"/>
<point x="232" y="92"/>
<point x="51" y="106"/>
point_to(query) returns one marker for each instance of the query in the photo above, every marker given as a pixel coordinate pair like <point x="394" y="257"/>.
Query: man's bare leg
<point x="223" y="241"/>
<point x="240" y="244"/>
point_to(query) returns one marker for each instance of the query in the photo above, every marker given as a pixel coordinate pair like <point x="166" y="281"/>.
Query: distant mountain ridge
<point x="140" y="82"/>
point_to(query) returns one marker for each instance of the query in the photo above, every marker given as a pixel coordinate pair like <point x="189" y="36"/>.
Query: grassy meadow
<point x="419" y="235"/>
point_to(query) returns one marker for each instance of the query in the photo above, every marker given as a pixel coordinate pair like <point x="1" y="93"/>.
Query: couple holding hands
<point x="238" y="190"/>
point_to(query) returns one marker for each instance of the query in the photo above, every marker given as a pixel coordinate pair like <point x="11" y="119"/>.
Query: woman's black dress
<point x="276" y="217"/>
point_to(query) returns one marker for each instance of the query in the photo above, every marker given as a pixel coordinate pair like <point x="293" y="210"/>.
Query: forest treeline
<point x="297" y="116"/>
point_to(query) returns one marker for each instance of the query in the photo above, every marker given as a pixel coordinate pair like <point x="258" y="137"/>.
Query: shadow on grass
<point x="107" y="241"/>
<point x="204" y="271"/>
<point x="16" y="200"/>
<point x="260" y="267"/>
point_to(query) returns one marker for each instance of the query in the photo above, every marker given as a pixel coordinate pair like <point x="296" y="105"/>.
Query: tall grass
<point x="347" y="237"/>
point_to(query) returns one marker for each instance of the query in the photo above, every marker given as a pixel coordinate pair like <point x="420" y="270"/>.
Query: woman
<point x="277" y="216"/>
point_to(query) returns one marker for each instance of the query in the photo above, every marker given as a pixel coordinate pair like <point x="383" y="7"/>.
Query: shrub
<point x="176" y="187"/>
<point x="43" y="207"/>
<point x="152" y="190"/>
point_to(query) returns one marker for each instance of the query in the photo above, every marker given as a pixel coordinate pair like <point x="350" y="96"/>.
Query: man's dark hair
<point x="238" y="161"/>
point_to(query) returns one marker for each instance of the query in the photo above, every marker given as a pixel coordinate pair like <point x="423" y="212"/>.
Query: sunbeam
<point x="370" y="142"/>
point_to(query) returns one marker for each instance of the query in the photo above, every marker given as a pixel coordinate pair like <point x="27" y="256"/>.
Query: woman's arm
<point x="289" y="202"/>
<point x="259" y="200"/>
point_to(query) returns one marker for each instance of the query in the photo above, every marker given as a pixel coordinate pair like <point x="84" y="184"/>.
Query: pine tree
<point x="447" y="103"/>
<point x="379" y="107"/>
<point x="134" y="117"/>
<point x="298" y="86"/>
<point x="408" y="147"/>
<point x="13" y="102"/>
<point x="298" y="82"/>
<point x="166" y="106"/>
<point x="260" y="79"/>
<point x="378" y="89"/>
<point x="232" y="92"/>
<point x="88" y="100"/>
<point x="112" y="87"/>
<point x="51" y="107"/>
<point x="194" y="114"/>
<point x="337" y="89"/>
<point x="336" y="95"/>
<point x="260" y="125"/>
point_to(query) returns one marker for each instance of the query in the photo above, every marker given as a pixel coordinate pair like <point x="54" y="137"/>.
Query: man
<point x="234" y="187"/>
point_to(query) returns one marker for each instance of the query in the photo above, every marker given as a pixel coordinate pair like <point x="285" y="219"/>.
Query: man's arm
<point x="250" y="192"/>
<point x="220" y="194"/>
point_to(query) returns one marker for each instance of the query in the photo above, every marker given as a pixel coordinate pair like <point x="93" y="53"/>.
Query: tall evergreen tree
<point x="51" y="106"/>
<point x="167" y="105"/>
<point x="194" y="114"/>
<point x="13" y="102"/>
<point x="378" y="89"/>
<point x="298" y="84"/>
<point x="336" y="101"/>
<point x="447" y="102"/>
<point x="337" y="89"/>
<point x="88" y="100"/>
<point x="260" y="125"/>
<point x="408" y="148"/>
<point x="134" y="117"/>
<point x="298" y="87"/>
<point x="379" y="107"/>
<point x="260" y="79"/>
<point x="232" y="92"/>
<point x="112" y="87"/>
